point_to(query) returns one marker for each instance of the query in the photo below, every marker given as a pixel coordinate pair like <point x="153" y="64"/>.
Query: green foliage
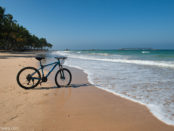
<point x="16" y="37"/>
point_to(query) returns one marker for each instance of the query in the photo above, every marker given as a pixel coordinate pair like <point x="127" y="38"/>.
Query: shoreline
<point x="137" y="102"/>
<point x="124" y="97"/>
<point x="82" y="106"/>
<point x="121" y="96"/>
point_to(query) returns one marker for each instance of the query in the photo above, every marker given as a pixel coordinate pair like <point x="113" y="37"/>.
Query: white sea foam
<point x="136" y="80"/>
<point x="145" y="52"/>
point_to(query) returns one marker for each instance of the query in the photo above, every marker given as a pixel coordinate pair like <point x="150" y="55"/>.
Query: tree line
<point x="16" y="37"/>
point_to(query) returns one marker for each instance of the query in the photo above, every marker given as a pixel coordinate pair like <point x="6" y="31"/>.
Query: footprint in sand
<point x="10" y="119"/>
<point x="68" y="116"/>
<point x="46" y="94"/>
<point x="14" y="117"/>
<point x="25" y="93"/>
<point x="41" y="103"/>
<point x="17" y="106"/>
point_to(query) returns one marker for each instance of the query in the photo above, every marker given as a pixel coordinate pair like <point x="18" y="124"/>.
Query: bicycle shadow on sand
<point x="70" y="86"/>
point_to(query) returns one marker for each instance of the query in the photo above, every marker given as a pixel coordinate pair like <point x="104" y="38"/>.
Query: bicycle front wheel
<point x="28" y="77"/>
<point x="63" y="77"/>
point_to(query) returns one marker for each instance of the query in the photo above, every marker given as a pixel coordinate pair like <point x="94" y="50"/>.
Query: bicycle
<point x="32" y="76"/>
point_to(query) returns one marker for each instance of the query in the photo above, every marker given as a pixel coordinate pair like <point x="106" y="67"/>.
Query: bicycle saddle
<point x="39" y="58"/>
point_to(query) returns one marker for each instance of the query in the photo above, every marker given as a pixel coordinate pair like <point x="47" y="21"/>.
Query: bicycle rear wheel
<point x="63" y="77"/>
<point x="28" y="77"/>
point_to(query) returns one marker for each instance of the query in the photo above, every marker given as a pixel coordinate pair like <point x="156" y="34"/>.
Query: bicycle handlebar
<point x="60" y="57"/>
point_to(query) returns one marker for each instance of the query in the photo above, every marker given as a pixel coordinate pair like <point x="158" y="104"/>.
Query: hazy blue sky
<point x="100" y="24"/>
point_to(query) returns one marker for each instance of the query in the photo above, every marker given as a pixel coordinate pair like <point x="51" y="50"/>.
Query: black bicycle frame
<point x="43" y="66"/>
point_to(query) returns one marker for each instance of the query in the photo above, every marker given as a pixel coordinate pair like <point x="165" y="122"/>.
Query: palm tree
<point x="16" y="37"/>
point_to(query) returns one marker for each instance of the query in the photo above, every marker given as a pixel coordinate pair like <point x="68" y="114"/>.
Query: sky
<point x="97" y="24"/>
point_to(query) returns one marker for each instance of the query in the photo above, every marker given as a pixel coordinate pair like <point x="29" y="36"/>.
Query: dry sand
<point x="81" y="107"/>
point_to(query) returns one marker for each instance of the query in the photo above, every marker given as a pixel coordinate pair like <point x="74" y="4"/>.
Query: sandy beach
<point x="80" y="107"/>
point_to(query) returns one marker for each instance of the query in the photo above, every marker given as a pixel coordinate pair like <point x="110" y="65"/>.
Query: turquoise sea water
<point x="143" y="76"/>
<point x="155" y="55"/>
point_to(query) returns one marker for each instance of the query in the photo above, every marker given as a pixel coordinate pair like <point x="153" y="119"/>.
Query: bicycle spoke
<point x="63" y="77"/>
<point x="25" y="78"/>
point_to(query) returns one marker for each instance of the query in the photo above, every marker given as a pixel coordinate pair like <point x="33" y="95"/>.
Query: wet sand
<point x="80" y="107"/>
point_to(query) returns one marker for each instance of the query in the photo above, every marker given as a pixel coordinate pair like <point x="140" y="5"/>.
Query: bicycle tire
<point x="22" y="70"/>
<point x="59" y="72"/>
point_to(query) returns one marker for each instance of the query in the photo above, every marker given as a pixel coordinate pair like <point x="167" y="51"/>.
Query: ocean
<point x="143" y="76"/>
